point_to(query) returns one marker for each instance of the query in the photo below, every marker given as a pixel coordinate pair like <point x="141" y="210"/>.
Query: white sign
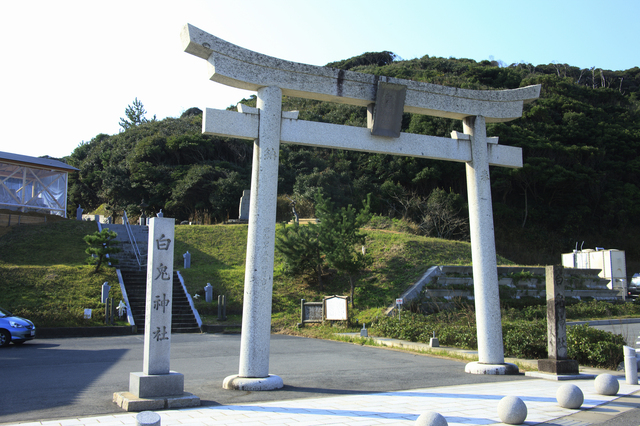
<point x="398" y="301"/>
<point x="335" y="308"/>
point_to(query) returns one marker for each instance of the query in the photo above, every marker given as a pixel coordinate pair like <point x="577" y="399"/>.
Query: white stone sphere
<point x="569" y="396"/>
<point x="512" y="410"/>
<point x="606" y="384"/>
<point x="431" y="418"/>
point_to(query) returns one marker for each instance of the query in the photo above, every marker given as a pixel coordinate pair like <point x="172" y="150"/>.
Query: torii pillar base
<point x="493" y="369"/>
<point x="236" y="382"/>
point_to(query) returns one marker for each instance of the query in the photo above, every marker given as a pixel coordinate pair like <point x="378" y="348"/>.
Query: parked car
<point x="633" y="289"/>
<point x="15" y="329"/>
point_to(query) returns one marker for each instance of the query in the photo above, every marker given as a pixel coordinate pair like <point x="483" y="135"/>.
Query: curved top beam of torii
<point x="238" y="67"/>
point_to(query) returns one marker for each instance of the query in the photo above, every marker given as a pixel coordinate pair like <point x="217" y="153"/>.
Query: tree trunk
<point x="352" y="291"/>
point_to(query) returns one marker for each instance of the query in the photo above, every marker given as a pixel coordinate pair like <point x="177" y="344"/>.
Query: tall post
<point x="483" y="252"/>
<point x="558" y="362"/>
<point x="258" y="280"/>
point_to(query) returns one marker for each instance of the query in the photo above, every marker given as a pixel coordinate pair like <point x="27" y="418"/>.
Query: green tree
<point x="300" y="247"/>
<point x="101" y="243"/>
<point x="135" y="115"/>
<point x="341" y="240"/>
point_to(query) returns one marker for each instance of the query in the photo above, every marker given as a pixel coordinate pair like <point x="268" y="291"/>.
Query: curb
<point x="99" y="331"/>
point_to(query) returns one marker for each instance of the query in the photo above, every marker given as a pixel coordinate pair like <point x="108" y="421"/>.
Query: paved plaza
<point x="70" y="382"/>
<point x="474" y="404"/>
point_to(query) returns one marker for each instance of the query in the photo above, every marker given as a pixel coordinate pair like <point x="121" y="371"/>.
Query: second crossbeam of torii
<point x="386" y="99"/>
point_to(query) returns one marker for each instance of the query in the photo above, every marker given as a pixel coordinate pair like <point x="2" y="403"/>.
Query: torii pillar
<point x="386" y="99"/>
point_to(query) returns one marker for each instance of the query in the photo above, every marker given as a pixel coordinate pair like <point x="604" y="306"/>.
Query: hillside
<point x="43" y="276"/>
<point x="580" y="181"/>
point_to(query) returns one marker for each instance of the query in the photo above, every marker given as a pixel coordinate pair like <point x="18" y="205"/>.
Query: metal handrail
<point x="134" y="244"/>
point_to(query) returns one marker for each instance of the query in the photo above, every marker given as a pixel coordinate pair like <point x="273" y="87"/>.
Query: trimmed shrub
<point x="525" y="339"/>
<point x="597" y="348"/>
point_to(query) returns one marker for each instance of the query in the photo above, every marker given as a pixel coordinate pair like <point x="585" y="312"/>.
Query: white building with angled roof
<point x="32" y="184"/>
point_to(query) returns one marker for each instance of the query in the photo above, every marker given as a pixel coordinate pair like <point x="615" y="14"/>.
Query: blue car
<point x="15" y="329"/>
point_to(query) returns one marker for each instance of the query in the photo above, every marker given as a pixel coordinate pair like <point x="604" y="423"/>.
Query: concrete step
<point x="182" y="317"/>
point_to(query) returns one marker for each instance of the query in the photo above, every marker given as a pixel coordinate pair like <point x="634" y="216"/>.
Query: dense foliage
<point x="580" y="180"/>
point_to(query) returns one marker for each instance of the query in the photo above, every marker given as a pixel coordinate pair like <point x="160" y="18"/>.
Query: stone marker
<point x="79" y="211"/>
<point x="156" y="382"/>
<point x="208" y="293"/>
<point x="268" y="126"/>
<point x="187" y="260"/>
<point x="245" y="202"/>
<point x="558" y="362"/>
<point x="105" y="292"/>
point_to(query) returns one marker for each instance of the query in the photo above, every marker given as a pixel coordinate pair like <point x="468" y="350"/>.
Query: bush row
<point x="522" y="338"/>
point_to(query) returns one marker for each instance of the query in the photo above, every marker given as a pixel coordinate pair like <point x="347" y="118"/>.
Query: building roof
<point x="43" y="163"/>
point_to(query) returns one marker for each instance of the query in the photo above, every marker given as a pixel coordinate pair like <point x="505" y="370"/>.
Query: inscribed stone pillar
<point x="558" y="362"/>
<point x="556" y="315"/>
<point x="157" y="327"/>
<point x="156" y="379"/>
<point x="483" y="248"/>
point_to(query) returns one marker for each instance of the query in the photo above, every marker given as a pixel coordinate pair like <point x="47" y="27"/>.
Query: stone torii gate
<point x="386" y="99"/>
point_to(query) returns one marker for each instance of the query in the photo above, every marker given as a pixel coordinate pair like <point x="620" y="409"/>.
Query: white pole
<point x="258" y="280"/>
<point x="483" y="247"/>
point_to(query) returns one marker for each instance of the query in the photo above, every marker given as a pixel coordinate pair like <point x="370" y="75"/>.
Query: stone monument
<point x="386" y="99"/>
<point x="243" y="213"/>
<point x="558" y="362"/>
<point x="156" y="386"/>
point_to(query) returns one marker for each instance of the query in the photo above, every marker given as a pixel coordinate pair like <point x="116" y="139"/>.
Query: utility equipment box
<point x="611" y="263"/>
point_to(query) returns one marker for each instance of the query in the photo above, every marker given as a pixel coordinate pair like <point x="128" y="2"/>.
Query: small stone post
<point x="187" y="260"/>
<point x="245" y="204"/>
<point x="105" y="292"/>
<point x="558" y="362"/>
<point x="208" y="293"/>
<point x="630" y="365"/>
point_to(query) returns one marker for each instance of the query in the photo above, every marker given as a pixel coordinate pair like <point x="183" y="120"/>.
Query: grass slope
<point x="43" y="275"/>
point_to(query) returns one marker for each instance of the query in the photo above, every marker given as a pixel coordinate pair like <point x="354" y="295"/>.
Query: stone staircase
<point x="127" y="259"/>
<point x="182" y="318"/>
<point x="134" y="278"/>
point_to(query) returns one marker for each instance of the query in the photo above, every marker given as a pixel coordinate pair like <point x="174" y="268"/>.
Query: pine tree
<point x="341" y="240"/>
<point x="101" y="244"/>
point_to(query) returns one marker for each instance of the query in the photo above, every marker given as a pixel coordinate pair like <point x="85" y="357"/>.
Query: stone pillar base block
<point x="493" y="369"/>
<point x="129" y="402"/>
<point x="156" y="385"/>
<point x="559" y="366"/>
<point x="236" y="382"/>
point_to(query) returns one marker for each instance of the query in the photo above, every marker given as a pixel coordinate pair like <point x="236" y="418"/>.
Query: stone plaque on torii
<point x="386" y="99"/>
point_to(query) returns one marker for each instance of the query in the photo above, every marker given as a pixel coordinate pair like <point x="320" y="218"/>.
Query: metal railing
<point x="140" y="258"/>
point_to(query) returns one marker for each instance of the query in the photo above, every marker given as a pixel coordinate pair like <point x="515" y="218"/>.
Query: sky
<point x="69" y="69"/>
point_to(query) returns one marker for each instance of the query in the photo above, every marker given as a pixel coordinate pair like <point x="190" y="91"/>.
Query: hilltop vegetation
<point x="580" y="180"/>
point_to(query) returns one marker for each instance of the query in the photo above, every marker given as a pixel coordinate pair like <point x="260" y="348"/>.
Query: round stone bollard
<point x="512" y="410"/>
<point x="431" y="418"/>
<point x="148" y="418"/>
<point x="569" y="396"/>
<point x="606" y="384"/>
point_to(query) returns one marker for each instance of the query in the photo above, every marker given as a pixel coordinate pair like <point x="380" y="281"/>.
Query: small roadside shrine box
<point x="335" y="308"/>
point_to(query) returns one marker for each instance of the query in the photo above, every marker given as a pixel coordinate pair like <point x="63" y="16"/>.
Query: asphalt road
<point x="47" y="379"/>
